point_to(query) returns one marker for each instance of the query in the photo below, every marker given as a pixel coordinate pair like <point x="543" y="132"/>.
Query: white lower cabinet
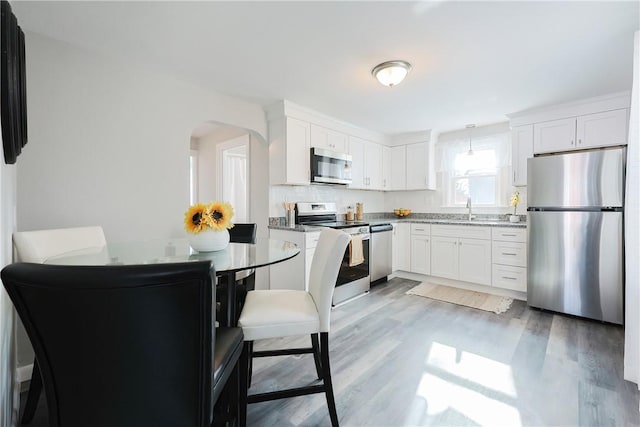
<point x="508" y="277"/>
<point x="509" y="247"/>
<point x="294" y="274"/>
<point x="444" y="257"/>
<point x="456" y="256"/>
<point x="475" y="261"/>
<point x="401" y="256"/>
<point x="421" y="248"/>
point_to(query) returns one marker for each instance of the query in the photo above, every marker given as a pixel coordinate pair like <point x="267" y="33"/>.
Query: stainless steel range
<point x="353" y="278"/>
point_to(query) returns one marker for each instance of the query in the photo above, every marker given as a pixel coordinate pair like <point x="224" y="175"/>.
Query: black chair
<point x="128" y="345"/>
<point x="245" y="280"/>
<point x="243" y="233"/>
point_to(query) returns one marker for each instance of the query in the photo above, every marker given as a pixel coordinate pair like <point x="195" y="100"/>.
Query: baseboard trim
<point x="23" y="373"/>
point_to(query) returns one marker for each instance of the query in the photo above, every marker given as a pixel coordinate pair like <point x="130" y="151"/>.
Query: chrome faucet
<point x="469" y="207"/>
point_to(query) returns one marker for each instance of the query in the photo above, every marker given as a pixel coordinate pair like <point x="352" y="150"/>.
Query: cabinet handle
<point x="514" y="176"/>
<point x="460" y="243"/>
<point x="508" y="235"/>
<point x="509" y="278"/>
<point x="508" y="253"/>
<point x="572" y="142"/>
<point x="579" y="141"/>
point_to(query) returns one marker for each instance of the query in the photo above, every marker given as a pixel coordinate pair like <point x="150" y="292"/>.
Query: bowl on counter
<point x="402" y="212"/>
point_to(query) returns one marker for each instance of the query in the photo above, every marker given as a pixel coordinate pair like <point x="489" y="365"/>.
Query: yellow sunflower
<point x="515" y="199"/>
<point x="195" y="218"/>
<point x="220" y="214"/>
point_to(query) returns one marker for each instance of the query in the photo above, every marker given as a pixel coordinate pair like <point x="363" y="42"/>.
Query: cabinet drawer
<point x="469" y="232"/>
<point x="422" y="229"/>
<point x="509" y="253"/>
<point x="311" y="239"/>
<point x="505" y="234"/>
<point x="508" y="277"/>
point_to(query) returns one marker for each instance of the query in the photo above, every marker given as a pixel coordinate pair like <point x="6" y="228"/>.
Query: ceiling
<point x="473" y="62"/>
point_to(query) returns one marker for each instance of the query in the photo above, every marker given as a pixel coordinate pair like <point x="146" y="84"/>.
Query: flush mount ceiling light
<point x="391" y="73"/>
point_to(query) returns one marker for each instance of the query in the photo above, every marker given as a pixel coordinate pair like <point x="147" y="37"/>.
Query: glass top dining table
<point x="227" y="262"/>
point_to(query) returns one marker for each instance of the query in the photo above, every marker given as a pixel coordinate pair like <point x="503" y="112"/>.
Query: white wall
<point x="109" y="142"/>
<point x="8" y="385"/>
<point x="207" y="169"/>
<point x="632" y="231"/>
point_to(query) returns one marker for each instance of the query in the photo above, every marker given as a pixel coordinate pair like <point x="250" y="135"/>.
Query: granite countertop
<point x="298" y="228"/>
<point x="473" y="222"/>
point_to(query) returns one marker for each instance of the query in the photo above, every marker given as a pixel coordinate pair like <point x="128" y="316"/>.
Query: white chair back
<point x="324" y="271"/>
<point x="38" y="246"/>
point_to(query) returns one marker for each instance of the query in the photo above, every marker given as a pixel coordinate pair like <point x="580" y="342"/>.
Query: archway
<point x="215" y="146"/>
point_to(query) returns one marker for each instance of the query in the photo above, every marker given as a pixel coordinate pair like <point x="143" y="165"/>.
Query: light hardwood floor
<point x="403" y="360"/>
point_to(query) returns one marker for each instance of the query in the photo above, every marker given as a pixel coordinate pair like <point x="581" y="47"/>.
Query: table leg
<point x="231" y="298"/>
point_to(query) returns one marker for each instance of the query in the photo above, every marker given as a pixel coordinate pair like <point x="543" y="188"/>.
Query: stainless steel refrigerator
<point x="575" y="233"/>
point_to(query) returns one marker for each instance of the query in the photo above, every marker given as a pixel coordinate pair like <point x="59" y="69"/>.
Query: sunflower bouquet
<point x="215" y="216"/>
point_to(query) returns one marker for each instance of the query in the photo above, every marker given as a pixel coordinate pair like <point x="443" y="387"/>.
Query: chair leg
<point x="250" y="369"/>
<point x="35" y="388"/>
<point x="316" y="354"/>
<point x="326" y="375"/>
<point x="245" y="378"/>
<point x="227" y="409"/>
<point x="234" y="405"/>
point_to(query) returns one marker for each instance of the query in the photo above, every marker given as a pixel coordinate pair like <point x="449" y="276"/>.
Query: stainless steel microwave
<point x="329" y="167"/>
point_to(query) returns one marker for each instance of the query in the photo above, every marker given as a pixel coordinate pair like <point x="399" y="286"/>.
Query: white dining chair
<point x="37" y="247"/>
<point x="281" y="313"/>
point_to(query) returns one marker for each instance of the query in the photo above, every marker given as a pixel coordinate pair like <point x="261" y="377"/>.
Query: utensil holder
<point x="291" y="218"/>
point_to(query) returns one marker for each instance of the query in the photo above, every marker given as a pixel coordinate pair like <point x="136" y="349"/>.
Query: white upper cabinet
<point x="417" y="167"/>
<point x="576" y="133"/>
<point x="521" y="150"/>
<point x="386" y="168"/>
<point x="555" y="135"/>
<point x="356" y="150"/>
<point x="398" y="168"/>
<point x="289" y="151"/>
<point x="366" y="166"/>
<point x="373" y="165"/>
<point x="601" y="121"/>
<point x="328" y="139"/>
<point x="602" y="129"/>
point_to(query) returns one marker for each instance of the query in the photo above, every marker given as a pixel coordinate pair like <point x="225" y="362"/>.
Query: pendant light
<point x="391" y="73"/>
<point x="470" y="129"/>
